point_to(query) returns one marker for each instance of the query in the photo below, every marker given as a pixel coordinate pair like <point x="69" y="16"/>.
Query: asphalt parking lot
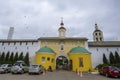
<point x="56" y="75"/>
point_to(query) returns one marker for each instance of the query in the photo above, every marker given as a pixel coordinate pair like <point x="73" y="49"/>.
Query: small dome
<point x="79" y="50"/>
<point x="45" y="49"/>
<point x="97" y="31"/>
<point x="96" y="28"/>
<point x="62" y="28"/>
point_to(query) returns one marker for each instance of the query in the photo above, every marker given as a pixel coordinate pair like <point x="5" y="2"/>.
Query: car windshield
<point x="34" y="66"/>
<point x="114" y="68"/>
<point x="3" y="65"/>
<point x="20" y="63"/>
<point x="16" y="64"/>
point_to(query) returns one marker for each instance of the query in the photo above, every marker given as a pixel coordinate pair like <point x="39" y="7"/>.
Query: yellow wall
<point x="68" y="45"/>
<point x="55" y="44"/>
<point x="86" y="61"/>
<point x="46" y="64"/>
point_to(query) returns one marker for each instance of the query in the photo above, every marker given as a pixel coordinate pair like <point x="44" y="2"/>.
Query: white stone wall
<point x="97" y="54"/>
<point x="30" y="47"/>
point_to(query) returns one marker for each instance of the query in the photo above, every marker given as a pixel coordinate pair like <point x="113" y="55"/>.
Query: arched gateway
<point x="61" y="63"/>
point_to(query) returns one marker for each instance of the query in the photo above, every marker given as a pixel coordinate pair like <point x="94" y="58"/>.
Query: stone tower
<point x="10" y="33"/>
<point x="97" y="34"/>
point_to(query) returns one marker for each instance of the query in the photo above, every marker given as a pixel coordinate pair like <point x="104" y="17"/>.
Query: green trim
<point x="78" y="50"/>
<point x="46" y="50"/>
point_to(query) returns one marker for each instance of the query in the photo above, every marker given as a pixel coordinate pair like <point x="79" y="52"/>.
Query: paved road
<point x="56" y="75"/>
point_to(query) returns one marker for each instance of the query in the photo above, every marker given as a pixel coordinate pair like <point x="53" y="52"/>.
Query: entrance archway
<point x="61" y="63"/>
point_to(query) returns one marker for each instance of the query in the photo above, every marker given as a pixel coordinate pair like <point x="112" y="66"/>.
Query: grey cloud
<point x="36" y="18"/>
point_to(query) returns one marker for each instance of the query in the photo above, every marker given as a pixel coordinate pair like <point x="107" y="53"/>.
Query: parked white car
<point x="35" y="69"/>
<point x="5" y="68"/>
<point x="19" y="67"/>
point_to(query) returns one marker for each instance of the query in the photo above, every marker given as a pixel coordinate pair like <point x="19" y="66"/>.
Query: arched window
<point x="43" y="59"/>
<point x="81" y="62"/>
<point x="96" y="34"/>
<point x="62" y="47"/>
<point x="96" y="39"/>
<point x="48" y="59"/>
<point x="100" y="39"/>
<point x="100" y="34"/>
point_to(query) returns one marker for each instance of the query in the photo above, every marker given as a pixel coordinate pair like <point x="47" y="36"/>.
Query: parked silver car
<point x="5" y="68"/>
<point x="19" y="67"/>
<point x="35" y="69"/>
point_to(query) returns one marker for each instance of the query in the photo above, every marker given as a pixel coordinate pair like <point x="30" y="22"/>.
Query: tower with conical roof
<point x="97" y="34"/>
<point x="62" y="30"/>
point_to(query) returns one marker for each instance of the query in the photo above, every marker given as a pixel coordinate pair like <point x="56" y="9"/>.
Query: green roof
<point x="79" y="50"/>
<point x="45" y="49"/>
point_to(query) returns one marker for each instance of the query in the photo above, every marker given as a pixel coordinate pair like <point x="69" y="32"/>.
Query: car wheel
<point x="12" y="72"/>
<point x="38" y="73"/>
<point x="22" y="71"/>
<point x="6" y="71"/>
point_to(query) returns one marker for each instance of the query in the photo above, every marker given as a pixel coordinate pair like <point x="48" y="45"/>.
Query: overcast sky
<point x="32" y="19"/>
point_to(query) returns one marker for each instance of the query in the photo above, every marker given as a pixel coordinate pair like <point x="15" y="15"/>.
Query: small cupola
<point x="97" y="34"/>
<point x="62" y="30"/>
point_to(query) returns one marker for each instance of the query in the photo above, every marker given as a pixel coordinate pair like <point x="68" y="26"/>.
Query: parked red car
<point x="110" y="71"/>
